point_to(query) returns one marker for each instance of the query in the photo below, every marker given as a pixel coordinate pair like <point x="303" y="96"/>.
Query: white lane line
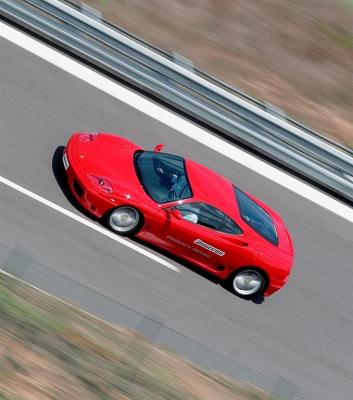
<point x="88" y="223"/>
<point x="174" y="121"/>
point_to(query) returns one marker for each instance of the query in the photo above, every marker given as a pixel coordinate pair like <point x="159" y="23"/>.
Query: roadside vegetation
<point x="50" y="350"/>
<point x="297" y="55"/>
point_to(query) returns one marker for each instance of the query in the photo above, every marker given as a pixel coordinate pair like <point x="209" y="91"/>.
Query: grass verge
<point x="50" y="350"/>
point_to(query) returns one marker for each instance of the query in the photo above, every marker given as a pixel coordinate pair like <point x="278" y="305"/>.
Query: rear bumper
<point x="274" y="285"/>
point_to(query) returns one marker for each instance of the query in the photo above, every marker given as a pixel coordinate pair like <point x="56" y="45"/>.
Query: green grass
<point x="337" y="35"/>
<point x="348" y="2"/>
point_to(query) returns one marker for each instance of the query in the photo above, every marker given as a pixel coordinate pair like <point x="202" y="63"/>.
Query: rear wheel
<point x="248" y="282"/>
<point x="124" y="220"/>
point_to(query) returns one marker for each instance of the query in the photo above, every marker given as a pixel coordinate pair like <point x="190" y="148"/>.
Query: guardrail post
<point x="183" y="61"/>
<point x="278" y="112"/>
<point x="91" y="12"/>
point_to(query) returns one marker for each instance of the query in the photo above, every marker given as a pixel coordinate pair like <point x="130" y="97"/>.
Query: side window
<point x="229" y="226"/>
<point x="256" y="217"/>
<point x="209" y="216"/>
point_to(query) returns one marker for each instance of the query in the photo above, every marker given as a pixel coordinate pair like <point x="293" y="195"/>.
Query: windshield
<point x="163" y="176"/>
<point x="256" y="217"/>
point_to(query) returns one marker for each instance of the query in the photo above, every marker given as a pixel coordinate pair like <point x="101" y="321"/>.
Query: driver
<point x="177" y="188"/>
<point x="167" y="177"/>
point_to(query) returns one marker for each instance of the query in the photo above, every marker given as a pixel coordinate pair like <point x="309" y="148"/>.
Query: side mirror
<point x="175" y="213"/>
<point x="158" y="148"/>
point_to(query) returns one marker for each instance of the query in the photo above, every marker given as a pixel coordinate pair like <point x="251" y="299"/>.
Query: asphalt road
<point x="298" y="343"/>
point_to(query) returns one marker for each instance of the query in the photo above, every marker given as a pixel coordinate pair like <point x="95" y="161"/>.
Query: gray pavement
<point x="297" y="344"/>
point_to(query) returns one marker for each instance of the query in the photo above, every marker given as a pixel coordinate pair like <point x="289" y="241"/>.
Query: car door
<point x="195" y="233"/>
<point x="240" y="251"/>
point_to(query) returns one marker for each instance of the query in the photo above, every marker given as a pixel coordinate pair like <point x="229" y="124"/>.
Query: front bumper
<point x="79" y="186"/>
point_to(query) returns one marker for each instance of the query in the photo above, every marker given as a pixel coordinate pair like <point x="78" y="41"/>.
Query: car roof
<point x="212" y="188"/>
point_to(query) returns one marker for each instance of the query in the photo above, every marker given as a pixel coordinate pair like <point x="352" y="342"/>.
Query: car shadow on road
<point x="60" y="176"/>
<point x="205" y="274"/>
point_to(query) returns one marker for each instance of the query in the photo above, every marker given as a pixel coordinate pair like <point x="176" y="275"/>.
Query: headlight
<point x="65" y="161"/>
<point x="101" y="183"/>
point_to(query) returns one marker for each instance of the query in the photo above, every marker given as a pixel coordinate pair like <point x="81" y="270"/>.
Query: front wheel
<point x="124" y="220"/>
<point x="248" y="282"/>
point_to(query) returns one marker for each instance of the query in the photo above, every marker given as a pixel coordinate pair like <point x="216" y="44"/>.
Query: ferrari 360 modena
<point x="181" y="207"/>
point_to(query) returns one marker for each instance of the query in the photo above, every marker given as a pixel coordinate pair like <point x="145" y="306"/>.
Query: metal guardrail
<point x="173" y="79"/>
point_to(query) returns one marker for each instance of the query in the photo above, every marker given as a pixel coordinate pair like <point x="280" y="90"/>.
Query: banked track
<point x="295" y="343"/>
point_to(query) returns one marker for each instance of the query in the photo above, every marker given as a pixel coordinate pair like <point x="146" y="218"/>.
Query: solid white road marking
<point x="88" y="223"/>
<point x="174" y="121"/>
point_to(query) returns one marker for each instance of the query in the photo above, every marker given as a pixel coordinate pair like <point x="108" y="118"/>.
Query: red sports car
<point x="183" y="207"/>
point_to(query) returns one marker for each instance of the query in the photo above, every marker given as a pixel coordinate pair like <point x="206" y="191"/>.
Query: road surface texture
<point x="296" y="344"/>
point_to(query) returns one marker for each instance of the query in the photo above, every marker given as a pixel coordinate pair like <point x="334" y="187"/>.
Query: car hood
<point x="108" y="156"/>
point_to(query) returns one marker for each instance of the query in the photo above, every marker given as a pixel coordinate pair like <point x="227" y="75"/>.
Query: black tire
<point x="124" y="220"/>
<point x="248" y="282"/>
